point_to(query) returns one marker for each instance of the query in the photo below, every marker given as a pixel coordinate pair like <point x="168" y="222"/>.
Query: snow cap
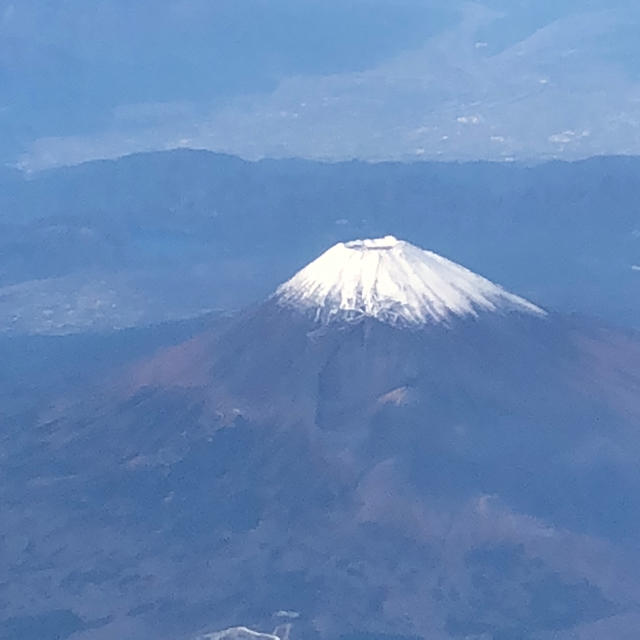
<point x="394" y="282"/>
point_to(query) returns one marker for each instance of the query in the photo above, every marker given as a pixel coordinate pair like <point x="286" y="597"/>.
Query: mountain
<point x="389" y="444"/>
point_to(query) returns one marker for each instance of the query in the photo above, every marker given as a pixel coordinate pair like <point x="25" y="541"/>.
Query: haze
<point x="369" y="79"/>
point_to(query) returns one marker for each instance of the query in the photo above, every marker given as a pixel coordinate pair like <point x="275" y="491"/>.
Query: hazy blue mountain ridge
<point x="566" y="234"/>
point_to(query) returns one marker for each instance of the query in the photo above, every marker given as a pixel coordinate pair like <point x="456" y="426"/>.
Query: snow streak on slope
<point x="394" y="282"/>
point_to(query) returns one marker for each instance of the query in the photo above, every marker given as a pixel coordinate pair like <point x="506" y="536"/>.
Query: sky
<point x="331" y="79"/>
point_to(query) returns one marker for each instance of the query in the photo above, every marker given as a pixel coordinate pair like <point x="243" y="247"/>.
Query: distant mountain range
<point x="160" y="236"/>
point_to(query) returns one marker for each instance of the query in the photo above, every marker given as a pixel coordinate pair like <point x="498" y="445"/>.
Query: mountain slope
<point x="469" y="477"/>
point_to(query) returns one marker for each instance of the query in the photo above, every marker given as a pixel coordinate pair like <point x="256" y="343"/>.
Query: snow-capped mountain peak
<point x="394" y="282"/>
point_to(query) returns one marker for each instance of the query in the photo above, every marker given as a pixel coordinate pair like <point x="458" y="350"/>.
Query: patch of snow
<point x="397" y="397"/>
<point x="394" y="282"/>
<point x="238" y="633"/>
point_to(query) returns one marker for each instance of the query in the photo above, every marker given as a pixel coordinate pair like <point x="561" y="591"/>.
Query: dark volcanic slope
<point x="476" y="480"/>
